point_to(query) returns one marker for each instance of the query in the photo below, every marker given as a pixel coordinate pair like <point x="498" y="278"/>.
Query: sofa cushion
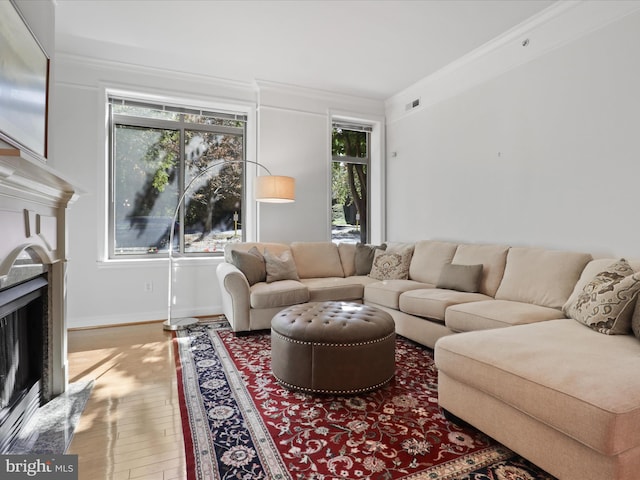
<point x="334" y="289"/>
<point x="317" y="259"/>
<point x="251" y="264"/>
<point x="400" y="247"/>
<point x="387" y="292"/>
<point x="280" y="267"/>
<point x="539" y="276"/>
<point x="496" y="313"/>
<point x="429" y="257"/>
<point x="390" y="266"/>
<point x="278" y="294"/>
<point x="606" y="303"/>
<point x="432" y="302"/>
<point x="493" y="259"/>
<point x="568" y="377"/>
<point x="463" y="278"/>
<point x="347" y="252"/>
<point x="364" y="257"/>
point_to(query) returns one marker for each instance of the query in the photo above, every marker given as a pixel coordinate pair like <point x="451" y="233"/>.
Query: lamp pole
<point x="273" y="196"/>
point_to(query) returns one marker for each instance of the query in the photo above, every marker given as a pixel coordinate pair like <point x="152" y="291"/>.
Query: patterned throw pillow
<point x="635" y="320"/>
<point x="390" y="266"/>
<point x="606" y="303"/>
<point x="280" y="267"/>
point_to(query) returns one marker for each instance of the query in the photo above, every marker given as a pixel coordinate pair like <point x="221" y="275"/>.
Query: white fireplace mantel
<point x="33" y="205"/>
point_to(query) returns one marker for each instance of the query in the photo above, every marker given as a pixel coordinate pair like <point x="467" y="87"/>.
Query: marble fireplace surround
<point x="33" y="210"/>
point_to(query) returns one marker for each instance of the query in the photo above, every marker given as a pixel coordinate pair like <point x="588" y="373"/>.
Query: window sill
<point x="161" y="262"/>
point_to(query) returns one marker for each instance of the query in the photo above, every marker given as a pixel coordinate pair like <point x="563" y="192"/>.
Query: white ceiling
<point x="369" y="48"/>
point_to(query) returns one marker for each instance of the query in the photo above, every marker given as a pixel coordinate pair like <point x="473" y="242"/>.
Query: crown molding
<point x="553" y="27"/>
<point x="309" y="92"/>
<point x="284" y="96"/>
<point x="113" y="65"/>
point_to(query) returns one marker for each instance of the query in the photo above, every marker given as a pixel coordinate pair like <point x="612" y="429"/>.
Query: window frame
<point x="232" y="112"/>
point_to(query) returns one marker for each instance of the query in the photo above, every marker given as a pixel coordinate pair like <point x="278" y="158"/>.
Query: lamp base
<point x="179" y="323"/>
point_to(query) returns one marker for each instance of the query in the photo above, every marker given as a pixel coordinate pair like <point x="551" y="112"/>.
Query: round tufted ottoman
<point x="333" y="347"/>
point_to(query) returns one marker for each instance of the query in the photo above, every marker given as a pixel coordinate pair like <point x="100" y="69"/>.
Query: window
<point x="350" y="151"/>
<point x="155" y="151"/>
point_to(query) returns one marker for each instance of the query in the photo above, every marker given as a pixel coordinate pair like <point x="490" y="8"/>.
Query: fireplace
<point x="33" y="329"/>
<point x="23" y="352"/>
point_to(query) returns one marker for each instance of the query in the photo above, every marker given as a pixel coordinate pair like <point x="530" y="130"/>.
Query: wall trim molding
<point x="309" y="100"/>
<point x="557" y="25"/>
<point x="308" y="92"/>
<point x="291" y="110"/>
<point x="114" y="320"/>
<point x="62" y="57"/>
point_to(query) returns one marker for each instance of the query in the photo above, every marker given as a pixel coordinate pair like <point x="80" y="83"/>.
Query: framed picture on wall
<point x="24" y="78"/>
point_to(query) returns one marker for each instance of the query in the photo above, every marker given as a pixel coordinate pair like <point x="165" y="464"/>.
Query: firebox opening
<point x="23" y="326"/>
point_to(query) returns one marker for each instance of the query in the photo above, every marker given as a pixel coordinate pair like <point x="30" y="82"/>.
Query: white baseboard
<point x="140" y="317"/>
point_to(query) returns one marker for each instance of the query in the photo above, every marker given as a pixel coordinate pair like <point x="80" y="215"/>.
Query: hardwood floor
<point x="131" y="427"/>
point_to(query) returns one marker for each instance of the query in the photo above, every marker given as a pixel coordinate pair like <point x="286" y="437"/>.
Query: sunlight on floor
<point x="131" y="427"/>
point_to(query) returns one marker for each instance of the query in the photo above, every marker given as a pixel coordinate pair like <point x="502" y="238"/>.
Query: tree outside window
<point x="156" y="151"/>
<point x="350" y="200"/>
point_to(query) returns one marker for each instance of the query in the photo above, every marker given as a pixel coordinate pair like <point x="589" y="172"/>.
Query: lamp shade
<point x="275" y="189"/>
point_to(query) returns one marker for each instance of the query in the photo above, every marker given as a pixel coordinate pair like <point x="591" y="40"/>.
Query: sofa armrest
<point x="235" y="292"/>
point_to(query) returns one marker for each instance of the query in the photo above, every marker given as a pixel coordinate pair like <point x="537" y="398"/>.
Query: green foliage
<point x="339" y="183"/>
<point x="163" y="156"/>
<point x="348" y="143"/>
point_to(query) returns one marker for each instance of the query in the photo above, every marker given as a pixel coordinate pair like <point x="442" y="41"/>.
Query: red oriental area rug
<point x="240" y="423"/>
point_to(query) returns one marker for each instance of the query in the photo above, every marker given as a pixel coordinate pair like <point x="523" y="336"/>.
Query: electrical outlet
<point x="148" y="286"/>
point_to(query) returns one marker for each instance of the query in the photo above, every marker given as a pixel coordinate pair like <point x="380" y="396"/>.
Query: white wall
<point x="295" y="136"/>
<point x="293" y="140"/>
<point x="296" y="143"/>
<point x="546" y="154"/>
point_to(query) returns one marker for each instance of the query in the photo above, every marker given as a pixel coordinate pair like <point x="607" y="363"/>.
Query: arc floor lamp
<point x="268" y="188"/>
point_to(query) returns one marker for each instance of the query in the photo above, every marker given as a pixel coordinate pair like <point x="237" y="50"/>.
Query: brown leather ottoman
<point x="333" y="347"/>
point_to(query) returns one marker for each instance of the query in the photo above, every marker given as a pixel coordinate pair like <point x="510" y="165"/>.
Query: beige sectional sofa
<point x="517" y="286"/>
<point x="561" y="394"/>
